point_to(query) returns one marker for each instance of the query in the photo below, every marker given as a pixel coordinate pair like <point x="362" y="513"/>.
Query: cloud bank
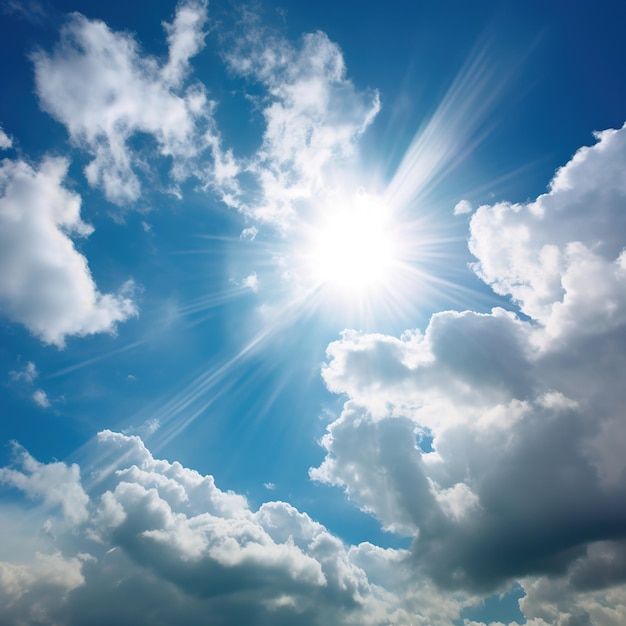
<point x="148" y="541"/>
<point x="492" y="439"/>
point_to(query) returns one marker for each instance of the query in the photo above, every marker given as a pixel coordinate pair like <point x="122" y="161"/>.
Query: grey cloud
<point x="33" y="593"/>
<point x="553" y="601"/>
<point x="158" y="542"/>
<point x="526" y="477"/>
<point x="604" y="565"/>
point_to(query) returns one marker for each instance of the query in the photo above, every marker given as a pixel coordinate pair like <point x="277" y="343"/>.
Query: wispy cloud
<point x="251" y="282"/>
<point x="313" y="116"/>
<point x="99" y="85"/>
<point x="28" y="373"/>
<point x="5" y="141"/>
<point x="32" y="11"/>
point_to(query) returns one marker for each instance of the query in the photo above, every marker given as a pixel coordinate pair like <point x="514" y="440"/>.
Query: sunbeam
<point x="312" y="313"/>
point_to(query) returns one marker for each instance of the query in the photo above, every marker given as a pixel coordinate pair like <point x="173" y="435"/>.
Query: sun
<point x="351" y="248"/>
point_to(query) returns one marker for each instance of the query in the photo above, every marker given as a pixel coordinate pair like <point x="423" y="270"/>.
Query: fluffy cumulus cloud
<point x="462" y="207"/>
<point x="494" y="440"/>
<point x="107" y="93"/>
<point x="561" y="258"/>
<point x="48" y="286"/>
<point x="55" y="483"/>
<point x="313" y="116"/>
<point x="148" y="540"/>
<point x="40" y="397"/>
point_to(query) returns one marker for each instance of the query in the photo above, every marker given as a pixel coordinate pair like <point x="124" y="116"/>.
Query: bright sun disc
<point x="352" y="248"/>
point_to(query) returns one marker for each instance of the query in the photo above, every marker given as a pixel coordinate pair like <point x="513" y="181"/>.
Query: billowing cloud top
<point x="158" y="540"/>
<point x="496" y="441"/>
<point x="490" y="442"/>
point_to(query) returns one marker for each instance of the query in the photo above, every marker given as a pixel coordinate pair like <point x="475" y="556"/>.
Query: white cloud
<point x="525" y="415"/>
<point x="98" y="84"/>
<point x="54" y="483"/>
<point x="185" y="38"/>
<point x="462" y="207"/>
<point x="249" y="233"/>
<point x="47" y="285"/>
<point x="107" y="93"/>
<point x="27" y="374"/>
<point x="41" y="398"/>
<point x="313" y="116"/>
<point x="251" y="282"/>
<point x="166" y="544"/>
<point x="5" y="141"/>
<point x="32" y="593"/>
<point x="561" y="256"/>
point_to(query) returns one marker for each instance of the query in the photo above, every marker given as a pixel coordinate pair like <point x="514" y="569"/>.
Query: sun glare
<point x="352" y="247"/>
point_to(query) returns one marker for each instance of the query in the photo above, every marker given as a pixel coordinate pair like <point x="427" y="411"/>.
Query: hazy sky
<point x="312" y="313"/>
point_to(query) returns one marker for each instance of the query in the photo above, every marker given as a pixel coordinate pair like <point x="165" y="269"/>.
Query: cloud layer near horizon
<point x="144" y="540"/>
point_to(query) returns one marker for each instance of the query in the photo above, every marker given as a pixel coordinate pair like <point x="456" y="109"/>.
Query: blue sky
<point x="312" y="313"/>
